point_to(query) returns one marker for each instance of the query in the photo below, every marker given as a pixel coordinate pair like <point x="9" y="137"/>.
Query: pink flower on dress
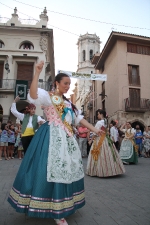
<point x="53" y="117"/>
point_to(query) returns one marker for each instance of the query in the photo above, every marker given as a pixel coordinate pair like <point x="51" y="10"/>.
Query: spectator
<point x="115" y="135"/>
<point x="11" y="141"/>
<point x="4" y="140"/>
<point x="138" y="139"/>
<point x="18" y="143"/>
<point x="89" y="141"/>
<point x="146" y="142"/>
<point x="82" y="130"/>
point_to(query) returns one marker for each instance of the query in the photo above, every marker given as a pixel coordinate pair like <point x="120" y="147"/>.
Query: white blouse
<point x="99" y="124"/>
<point x="44" y="99"/>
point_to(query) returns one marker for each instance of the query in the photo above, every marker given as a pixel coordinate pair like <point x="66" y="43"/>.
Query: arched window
<point x="26" y="45"/>
<point x="84" y="55"/>
<point x="2" y="44"/>
<point x="91" y="54"/>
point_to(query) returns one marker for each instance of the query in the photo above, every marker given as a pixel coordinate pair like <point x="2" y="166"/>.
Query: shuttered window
<point x="138" y="49"/>
<point x="133" y="75"/>
<point x="134" y="96"/>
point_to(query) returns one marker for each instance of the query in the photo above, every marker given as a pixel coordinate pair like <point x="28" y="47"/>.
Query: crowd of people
<point x="15" y="138"/>
<point x="118" y="135"/>
<point x="50" y="180"/>
<point x="9" y="140"/>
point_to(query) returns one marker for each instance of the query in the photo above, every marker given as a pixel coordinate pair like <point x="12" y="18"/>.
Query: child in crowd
<point x="138" y="139"/>
<point x="11" y="141"/>
<point x="18" y="143"/>
<point x="4" y="140"/>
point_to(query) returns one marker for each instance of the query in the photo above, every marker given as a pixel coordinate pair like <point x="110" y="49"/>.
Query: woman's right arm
<point x="34" y="84"/>
<point x="122" y="128"/>
<point x="37" y="95"/>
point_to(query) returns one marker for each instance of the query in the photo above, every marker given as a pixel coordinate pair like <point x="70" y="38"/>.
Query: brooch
<point x="56" y="99"/>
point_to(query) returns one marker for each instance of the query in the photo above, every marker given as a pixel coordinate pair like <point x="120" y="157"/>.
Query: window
<point x="103" y="90"/>
<point x="84" y="55"/>
<point x="27" y="46"/>
<point x="91" y="54"/>
<point x="133" y="74"/>
<point x="138" y="49"/>
<point x="134" y="96"/>
<point x="2" y="44"/>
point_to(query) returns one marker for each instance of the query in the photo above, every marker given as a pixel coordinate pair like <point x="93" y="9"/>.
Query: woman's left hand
<point x="98" y="132"/>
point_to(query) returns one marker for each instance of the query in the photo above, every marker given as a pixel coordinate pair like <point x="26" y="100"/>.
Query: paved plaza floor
<point x="121" y="200"/>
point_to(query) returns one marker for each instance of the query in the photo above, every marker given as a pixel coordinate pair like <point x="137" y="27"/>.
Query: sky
<point x="126" y="13"/>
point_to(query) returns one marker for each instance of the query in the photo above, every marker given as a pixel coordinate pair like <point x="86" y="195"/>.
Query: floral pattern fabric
<point x="64" y="159"/>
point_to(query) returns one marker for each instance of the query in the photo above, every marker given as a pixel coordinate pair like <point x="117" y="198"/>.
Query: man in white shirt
<point x="114" y="135"/>
<point x="30" y="123"/>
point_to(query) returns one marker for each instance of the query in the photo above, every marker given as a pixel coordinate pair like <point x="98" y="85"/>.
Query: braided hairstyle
<point x="58" y="78"/>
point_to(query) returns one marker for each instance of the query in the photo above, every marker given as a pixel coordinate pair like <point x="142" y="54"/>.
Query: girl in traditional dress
<point x="128" y="149"/>
<point x="103" y="160"/>
<point x="146" y="142"/>
<point x="49" y="183"/>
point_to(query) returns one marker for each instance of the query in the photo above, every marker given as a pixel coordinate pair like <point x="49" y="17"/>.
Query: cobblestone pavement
<point x="122" y="200"/>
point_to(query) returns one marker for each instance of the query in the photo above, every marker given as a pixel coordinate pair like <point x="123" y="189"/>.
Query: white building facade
<point x="21" y="47"/>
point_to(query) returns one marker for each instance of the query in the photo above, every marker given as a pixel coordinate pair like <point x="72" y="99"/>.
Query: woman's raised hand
<point x="16" y="99"/>
<point x="39" y="67"/>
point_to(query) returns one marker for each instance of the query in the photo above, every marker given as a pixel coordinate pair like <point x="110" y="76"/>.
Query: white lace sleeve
<point x="42" y="99"/>
<point x="99" y="124"/>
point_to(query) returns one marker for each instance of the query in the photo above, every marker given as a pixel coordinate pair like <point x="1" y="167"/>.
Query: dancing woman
<point x="128" y="149"/>
<point x="49" y="183"/>
<point x="103" y="160"/>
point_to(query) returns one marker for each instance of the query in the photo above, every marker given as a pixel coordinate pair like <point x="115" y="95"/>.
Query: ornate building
<point x="21" y="47"/>
<point x="88" y="46"/>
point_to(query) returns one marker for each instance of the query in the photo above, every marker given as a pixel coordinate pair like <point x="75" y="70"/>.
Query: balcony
<point x="9" y="85"/>
<point x="137" y="105"/>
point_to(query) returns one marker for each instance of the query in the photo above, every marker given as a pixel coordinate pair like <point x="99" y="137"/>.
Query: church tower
<point x="88" y="45"/>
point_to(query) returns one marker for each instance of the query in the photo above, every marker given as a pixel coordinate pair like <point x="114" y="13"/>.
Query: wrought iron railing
<point x="139" y="105"/>
<point x="9" y="84"/>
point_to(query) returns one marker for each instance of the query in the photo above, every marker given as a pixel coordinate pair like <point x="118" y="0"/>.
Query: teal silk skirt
<point x="33" y="195"/>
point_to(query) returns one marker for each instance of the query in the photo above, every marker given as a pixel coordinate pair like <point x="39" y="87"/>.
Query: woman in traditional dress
<point x="146" y="142"/>
<point x="103" y="160"/>
<point x="49" y="183"/>
<point x="128" y="149"/>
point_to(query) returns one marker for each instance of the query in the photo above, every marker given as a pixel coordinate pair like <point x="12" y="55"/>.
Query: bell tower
<point x="88" y="45"/>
